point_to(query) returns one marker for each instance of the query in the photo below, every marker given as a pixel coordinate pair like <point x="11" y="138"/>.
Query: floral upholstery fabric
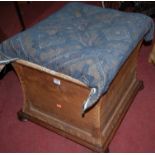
<point x="86" y="42"/>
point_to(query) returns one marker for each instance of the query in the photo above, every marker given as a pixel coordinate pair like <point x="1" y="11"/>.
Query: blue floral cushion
<point x="86" y="42"/>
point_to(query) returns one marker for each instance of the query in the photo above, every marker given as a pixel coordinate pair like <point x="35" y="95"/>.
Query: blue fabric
<point x="83" y="41"/>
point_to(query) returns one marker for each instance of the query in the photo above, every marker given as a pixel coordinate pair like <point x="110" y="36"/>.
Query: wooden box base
<point x="58" y="105"/>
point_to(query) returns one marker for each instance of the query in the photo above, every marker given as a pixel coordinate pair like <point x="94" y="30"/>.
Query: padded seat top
<point x="86" y="42"/>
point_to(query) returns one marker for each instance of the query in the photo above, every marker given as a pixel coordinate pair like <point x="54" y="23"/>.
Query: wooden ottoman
<point x="54" y="100"/>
